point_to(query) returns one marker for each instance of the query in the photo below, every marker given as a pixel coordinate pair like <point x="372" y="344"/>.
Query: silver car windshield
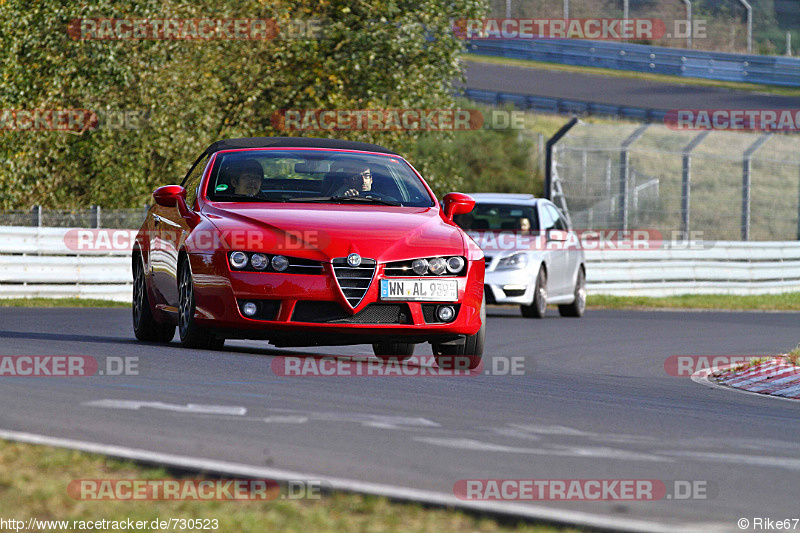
<point x="496" y="217"/>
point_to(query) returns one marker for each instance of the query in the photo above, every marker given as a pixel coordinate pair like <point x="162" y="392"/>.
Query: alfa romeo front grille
<point x="354" y="281"/>
<point x="332" y="313"/>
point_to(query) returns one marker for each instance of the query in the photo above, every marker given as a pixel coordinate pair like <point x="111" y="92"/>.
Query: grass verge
<point x="661" y="78"/>
<point x="762" y="302"/>
<point x="59" y="302"/>
<point x="794" y="356"/>
<point x="34" y="480"/>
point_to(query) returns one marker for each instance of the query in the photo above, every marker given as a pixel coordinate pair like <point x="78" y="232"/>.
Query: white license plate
<point x="435" y="290"/>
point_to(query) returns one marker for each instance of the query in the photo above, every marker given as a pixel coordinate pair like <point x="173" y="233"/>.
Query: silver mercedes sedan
<point x="533" y="256"/>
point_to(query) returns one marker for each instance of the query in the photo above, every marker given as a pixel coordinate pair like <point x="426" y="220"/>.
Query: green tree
<point x="371" y="55"/>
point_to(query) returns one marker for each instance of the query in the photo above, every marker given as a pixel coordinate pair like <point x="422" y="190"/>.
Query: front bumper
<point x="510" y="286"/>
<point x="303" y="309"/>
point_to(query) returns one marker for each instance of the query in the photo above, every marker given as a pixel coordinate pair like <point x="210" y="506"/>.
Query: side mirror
<point x="168" y="195"/>
<point x="456" y="203"/>
<point x="556" y="235"/>
<point x="175" y="196"/>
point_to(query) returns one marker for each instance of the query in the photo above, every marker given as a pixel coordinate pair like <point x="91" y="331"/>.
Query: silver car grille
<point x="354" y="281"/>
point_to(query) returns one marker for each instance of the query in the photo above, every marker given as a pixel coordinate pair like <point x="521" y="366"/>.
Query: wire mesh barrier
<point x="720" y="28"/>
<point x="720" y="185"/>
<point x="95" y="217"/>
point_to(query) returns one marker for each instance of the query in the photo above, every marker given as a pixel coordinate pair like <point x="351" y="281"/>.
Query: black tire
<point x="393" y="351"/>
<point x="463" y="356"/>
<point x="539" y="306"/>
<point x="578" y="306"/>
<point x="192" y="335"/>
<point x="145" y="326"/>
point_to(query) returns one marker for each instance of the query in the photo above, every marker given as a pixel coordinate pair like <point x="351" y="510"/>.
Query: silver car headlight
<point x="513" y="262"/>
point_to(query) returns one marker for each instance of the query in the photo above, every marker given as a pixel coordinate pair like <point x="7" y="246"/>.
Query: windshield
<point x="315" y="176"/>
<point x="486" y="217"/>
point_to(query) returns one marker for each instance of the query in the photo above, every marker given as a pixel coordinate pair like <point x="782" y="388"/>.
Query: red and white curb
<point x="776" y="377"/>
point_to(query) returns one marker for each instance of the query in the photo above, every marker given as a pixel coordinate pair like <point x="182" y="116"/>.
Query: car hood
<point x="326" y="231"/>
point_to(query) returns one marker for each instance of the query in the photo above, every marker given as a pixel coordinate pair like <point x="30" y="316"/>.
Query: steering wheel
<point x="379" y="196"/>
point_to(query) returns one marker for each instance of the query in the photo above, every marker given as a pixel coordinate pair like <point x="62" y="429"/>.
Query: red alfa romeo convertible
<point x="306" y="242"/>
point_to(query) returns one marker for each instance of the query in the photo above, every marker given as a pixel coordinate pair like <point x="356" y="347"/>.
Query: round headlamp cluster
<point x="239" y="259"/>
<point x="258" y="261"/>
<point x="438" y="266"/>
<point x="280" y="263"/>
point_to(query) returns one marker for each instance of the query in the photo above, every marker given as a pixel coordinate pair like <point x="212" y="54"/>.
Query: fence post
<point x="624" y="172"/>
<point x="686" y="185"/>
<point x="548" y="164"/>
<point x="584" y="166"/>
<point x="36" y="216"/>
<point x="95" y="216"/>
<point x="688" y="4"/>
<point x="541" y="154"/>
<point x="746" y="183"/>
<point x="798" y="210"/>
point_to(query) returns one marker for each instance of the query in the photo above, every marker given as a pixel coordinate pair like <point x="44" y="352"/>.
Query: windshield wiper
<point x="251" y="199"/>
<point x="361" y="199"/>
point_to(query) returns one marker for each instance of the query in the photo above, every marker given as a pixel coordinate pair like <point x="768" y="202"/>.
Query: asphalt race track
<point x="615" y="90"/>
<point x="594" y="403"/>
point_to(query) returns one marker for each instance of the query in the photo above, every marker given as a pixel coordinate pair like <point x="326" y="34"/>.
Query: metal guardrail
<point x="727" y="267"/>
<point x="564" y="106"/>
<point x="36" y="262"/>
<point x="720" y="66"/>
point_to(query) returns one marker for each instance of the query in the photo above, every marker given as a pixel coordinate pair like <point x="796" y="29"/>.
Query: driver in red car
<point x="359" y="181"/>
<point x="246" y="177"/>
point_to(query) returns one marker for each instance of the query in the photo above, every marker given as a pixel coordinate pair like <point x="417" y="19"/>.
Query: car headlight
<point x="515" y="261"/>
<point x="239" y="259"/>
<point x="455" y="264"/>
<point x="428" y="267"/>
<point x="280" y="263"/>
<point x="420" y="267"/>
<point x="259" y="261"/>
<point x="437" y="266"/>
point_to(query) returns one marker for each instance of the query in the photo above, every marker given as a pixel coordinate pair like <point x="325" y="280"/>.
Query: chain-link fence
<point x="716" y="28"/>
<point x="729" y="185"/>
<point x="95" y="217"/>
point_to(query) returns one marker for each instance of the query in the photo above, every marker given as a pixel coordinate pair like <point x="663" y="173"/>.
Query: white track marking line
<point x="557" y="450"/>
<point x="191" y="408"/>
